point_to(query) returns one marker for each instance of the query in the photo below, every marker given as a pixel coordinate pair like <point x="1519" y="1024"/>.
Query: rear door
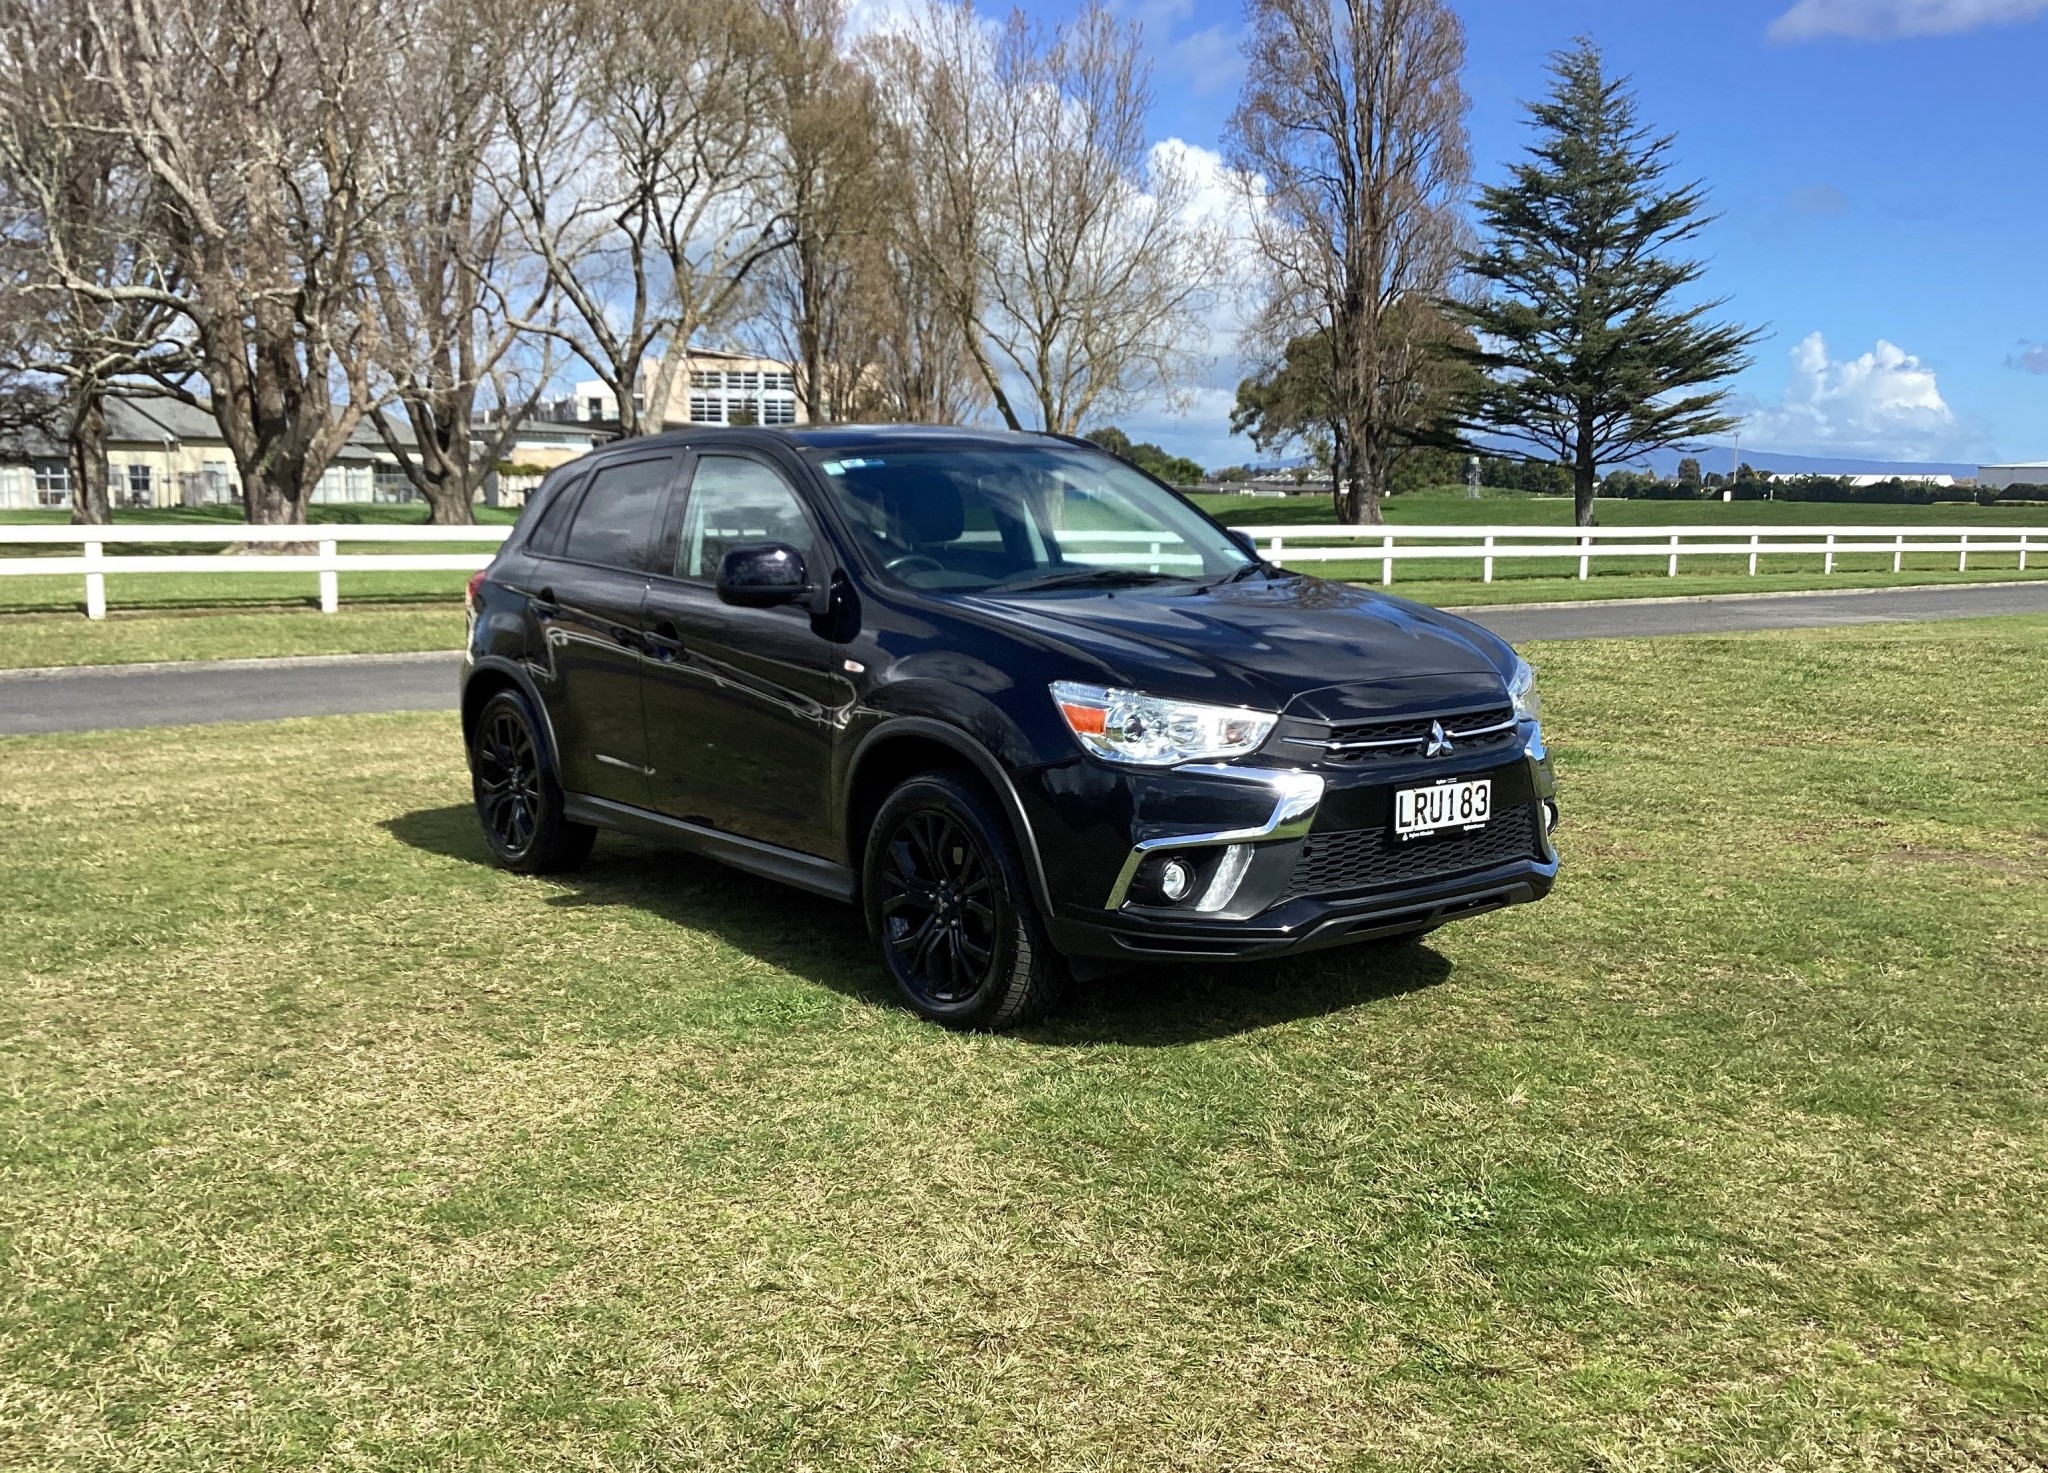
<point x="742" y="704"/>
<point x="589" y="599"/>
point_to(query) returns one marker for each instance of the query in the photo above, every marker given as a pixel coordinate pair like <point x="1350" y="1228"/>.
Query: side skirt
<point x="771" y="861"/>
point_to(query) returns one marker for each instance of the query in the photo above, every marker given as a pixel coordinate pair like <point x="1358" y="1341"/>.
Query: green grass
<point x="66" y="639"/>
<point x="325" y="1144"/>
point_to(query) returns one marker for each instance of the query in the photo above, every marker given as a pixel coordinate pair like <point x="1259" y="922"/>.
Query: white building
<point x="2023" y="473"/>
<point x="163" y="453"/>
<point x="716" y="389"/>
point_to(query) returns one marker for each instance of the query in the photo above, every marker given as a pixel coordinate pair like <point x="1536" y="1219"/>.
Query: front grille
<point x="1373" y="859"/>
<point x="1356" y="742"/>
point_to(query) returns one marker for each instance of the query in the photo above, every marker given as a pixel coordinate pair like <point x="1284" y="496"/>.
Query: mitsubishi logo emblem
<point x="1439" y="740"/>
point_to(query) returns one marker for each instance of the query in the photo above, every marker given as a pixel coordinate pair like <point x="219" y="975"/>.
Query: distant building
<point x="163" y="452"/>
<point x="2024" y="473"/>
<point x="715" y="389"/>
<point x="1903" y="480"/>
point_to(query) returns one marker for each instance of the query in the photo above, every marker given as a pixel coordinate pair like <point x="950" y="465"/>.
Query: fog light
<point x="1175" y="880"/>
<point x="1549" y="817"/>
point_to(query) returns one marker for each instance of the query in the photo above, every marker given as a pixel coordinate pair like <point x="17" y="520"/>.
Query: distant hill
<point x="1724" y="458"/>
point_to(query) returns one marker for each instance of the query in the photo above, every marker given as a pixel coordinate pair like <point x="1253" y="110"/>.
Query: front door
<point x="742" y="705"/>
<point x="590" y="602"/>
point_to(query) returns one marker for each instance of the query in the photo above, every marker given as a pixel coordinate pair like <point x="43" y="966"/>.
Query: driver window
<point x="734" y="502"/>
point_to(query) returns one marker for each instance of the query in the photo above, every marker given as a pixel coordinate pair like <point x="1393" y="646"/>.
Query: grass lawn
<point x="128" y="637"/>
<point x="324" y="1143"/>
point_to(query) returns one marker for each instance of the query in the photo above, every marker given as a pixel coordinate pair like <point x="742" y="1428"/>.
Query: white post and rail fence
<point x="1294" y="546"/>
<point x="1288" y="546"/>
<point x="327" y="562"/>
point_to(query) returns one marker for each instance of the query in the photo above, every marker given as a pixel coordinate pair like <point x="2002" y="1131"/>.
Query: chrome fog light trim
<point x="1222" y="888"/>
<point x="1296" y="795"/>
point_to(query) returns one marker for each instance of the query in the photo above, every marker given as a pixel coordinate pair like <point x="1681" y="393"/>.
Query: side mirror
<point x="762" y="575"/>
<point x="1245" y="541"/>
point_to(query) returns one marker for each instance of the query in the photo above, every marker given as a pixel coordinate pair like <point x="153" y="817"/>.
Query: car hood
<point x="1263" y="644"/>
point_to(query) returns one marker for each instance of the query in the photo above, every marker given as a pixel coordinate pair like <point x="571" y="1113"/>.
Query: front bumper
<point x="1258" y="841"/>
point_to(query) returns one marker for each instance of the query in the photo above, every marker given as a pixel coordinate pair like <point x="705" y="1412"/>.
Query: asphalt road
<point x="85" y="699"/>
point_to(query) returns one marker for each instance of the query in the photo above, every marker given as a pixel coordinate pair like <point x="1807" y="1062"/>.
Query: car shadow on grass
<point x="825" y="942"/>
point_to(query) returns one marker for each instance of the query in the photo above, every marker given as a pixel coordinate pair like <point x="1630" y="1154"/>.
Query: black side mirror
<point x="761" y="575"/>
<point x="1245" y="541"/>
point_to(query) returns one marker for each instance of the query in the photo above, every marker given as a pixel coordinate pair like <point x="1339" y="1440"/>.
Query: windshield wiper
<point x="1236" y="577"/>
<point x="1088" y="577"/>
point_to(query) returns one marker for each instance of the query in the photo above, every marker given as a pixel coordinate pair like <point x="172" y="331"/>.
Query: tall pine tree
<point x="1588" y="351"/>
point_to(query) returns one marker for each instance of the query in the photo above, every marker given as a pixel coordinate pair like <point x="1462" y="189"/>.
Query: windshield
<point x="1013" y="518"/>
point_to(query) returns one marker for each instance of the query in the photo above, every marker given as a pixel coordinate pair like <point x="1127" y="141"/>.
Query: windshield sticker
<point x="841" y="467"/>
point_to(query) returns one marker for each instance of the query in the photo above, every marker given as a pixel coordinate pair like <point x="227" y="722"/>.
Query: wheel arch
<point x="486" y="678"/>
<point x="900" y="749"/>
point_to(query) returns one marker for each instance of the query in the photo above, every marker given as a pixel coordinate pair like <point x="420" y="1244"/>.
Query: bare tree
<point x="74" y="205"/>
<point x="449" y="290"/>
<point x="1097" y="270"/>
<point x="635" y="146"/>
<point x="938" y="82"/>
<point x="1350" y="135"/>
<point x="824" y="166"/>
<point x="1066" y="252"/>
<point x="248" y="116"/>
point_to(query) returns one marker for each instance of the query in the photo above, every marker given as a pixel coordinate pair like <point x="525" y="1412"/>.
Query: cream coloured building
<point x="717" y="389"/>
<point x="163" y="453"/>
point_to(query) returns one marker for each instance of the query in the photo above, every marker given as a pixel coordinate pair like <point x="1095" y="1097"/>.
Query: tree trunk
<point x="1582" y="485"/>
<point x="448" y="499"/>
<point x="1372" y="475"/>
<point x="272" y="498"/>
<point x="85" y="450"/>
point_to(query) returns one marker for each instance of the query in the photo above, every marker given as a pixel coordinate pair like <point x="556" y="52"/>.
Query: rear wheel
<point x="518" y="801"/>
<point x="946" y="897"/>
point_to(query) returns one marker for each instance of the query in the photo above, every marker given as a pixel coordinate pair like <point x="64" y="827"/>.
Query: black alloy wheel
<point x="518" y="803"/>
<point x="938" y="912"/>
<point x="946" y="898"/>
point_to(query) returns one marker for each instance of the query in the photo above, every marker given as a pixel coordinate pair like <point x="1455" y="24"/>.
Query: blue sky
<point x="1880" y="170"/>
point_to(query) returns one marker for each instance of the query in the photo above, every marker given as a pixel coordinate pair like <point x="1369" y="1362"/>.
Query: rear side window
<point x="615" y="520"/>
<point x="546" y="537"/>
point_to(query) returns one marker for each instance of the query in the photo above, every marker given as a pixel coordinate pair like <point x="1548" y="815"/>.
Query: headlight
<point x="1522" y="691"/>
<point x="1124" y="726"/>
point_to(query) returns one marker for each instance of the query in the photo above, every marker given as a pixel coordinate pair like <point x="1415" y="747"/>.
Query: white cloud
<point x="1205" y="61"/>
<point x="1884" y="404"/>
<point x="1887" y="20"/>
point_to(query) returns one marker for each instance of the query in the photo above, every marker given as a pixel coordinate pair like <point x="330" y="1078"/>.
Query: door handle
<point x="668" y="641"/>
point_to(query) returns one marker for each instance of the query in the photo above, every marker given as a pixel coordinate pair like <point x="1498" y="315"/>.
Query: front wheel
<point x="518" y="801"/>
<point x="947" y="899"/>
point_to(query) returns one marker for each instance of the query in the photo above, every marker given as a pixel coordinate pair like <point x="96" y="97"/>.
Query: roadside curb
<point x="278" y="662"/>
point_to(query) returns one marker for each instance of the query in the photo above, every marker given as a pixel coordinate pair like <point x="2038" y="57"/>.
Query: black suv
<point x="1027" y="707"/>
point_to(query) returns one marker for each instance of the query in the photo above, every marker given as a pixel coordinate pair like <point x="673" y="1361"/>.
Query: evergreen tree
<point x="1589" y="353"/>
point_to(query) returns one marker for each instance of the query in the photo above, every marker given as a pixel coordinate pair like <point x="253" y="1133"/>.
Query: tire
<point x="518" y="800"/>
<point x="947" y="901"/>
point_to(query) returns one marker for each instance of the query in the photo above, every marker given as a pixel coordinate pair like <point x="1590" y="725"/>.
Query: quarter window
<point x="734" y="502"/>
<point x="616" y="516"/>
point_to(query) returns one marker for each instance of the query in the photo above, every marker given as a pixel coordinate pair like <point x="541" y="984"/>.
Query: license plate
<point x="1443" y="808"/>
